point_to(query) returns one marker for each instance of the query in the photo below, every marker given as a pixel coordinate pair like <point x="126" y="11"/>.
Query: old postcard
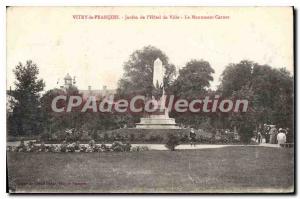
<point x="150" y="100"/>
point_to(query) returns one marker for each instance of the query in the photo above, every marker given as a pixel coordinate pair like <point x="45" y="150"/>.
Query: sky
<point x="94" y="50"/>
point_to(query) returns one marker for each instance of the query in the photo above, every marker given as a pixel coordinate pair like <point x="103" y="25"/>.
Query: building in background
<point x="98" y="93"/>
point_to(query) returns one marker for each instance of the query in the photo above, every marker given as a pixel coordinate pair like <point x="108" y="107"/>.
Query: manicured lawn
<point x="229" y="169"/>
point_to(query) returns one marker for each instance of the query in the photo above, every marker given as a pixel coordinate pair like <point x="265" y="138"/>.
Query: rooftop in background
<point x="98" y="93"/>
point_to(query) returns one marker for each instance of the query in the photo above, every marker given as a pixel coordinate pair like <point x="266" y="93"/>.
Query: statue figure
<point x="158" y="119"/>
<point x="158" y="73"/>
<point x="158" y="83"/>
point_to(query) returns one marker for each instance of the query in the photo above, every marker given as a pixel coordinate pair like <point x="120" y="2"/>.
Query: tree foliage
<point x="138" y="72"/>
<point x="194" y="79"/>
<point x="56" y="121"/>
<point x="193" y="82"/>
<point x="26" y="117"/>
<point x="269" y="90"/>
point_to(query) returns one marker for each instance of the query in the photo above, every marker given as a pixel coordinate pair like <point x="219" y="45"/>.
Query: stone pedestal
<point x="157" y="122"/>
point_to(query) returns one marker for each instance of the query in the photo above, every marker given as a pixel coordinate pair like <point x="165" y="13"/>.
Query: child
<point x="193" y="137"/>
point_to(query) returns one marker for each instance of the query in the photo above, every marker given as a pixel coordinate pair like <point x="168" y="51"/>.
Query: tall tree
<point x="235" y="76"/>
<point x="272" y="91"/>
<point x="193" y="82"/>
<point x="274" y="96"/>
<point x="194" y="79"/>
<point x="245" y="122"/>
<point x="138" y="72"/>
<point x="26" y="117"/>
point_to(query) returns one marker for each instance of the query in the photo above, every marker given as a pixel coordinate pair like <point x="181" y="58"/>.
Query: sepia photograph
<point x="111" y="99"/>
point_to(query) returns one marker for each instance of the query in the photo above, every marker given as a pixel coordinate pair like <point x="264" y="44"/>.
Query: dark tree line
<point x="269" y="91"/>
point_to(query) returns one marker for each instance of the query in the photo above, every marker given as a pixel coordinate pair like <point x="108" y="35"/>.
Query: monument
<point x="159" y="119"/>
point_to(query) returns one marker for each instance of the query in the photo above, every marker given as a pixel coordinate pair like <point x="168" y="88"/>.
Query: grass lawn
<point x="229" y="169"/>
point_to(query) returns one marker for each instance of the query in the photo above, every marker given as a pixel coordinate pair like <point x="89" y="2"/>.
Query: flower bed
<point x="73" y="147"/>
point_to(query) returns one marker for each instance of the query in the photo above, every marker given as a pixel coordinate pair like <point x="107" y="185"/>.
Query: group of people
<point x="272" y="135"/>
<point x="268" y="134"/>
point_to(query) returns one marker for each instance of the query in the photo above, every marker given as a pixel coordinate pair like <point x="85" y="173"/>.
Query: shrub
<point x="141" y="137"/>
<point x="224" y="139"/>
<point x="118" y="137"/>
<point x="71" y="147"/>
<point x="95" y="135"/>
<point x="83" y="148"/>
<point x="155" y="139"/>
<point x="89" y="149"/>
<point x="61" y="135"/>
<point x="21" y="147"/>
<point x="117" y="146"/>
<point x="144" y="148"/>
<point x="160" y="139"/>
<point x="135" y="148"/>
<point x="77" y="146"/>
<point x="31" y="147"/>
<point x="53" y="149"/>
<point x="127" y="147"/>
<point x="126" y="138"/>
<point x="54" y="137"/>
<point x="207" y="140"/>
<point x="172" y="142"/>
<point x="139" y="148"/>
<point x="46" y="136"/>
<point x="106" y="137"/>
<point x="184" y="138"/>
<point x="63" y="147"/>
<point x="97" y="148"/>
<point x="131" y="137"/>
<point x="9" y="148"/>
<point x="120" y="147"/>
<point x="73" y="136"/>
<point x="42" y="147"/>
<point x="92" y="143"/>
<point x="104" y="148"/>
<point x="212" y="140"/>
<point x="200" y="139"/>
<point x="22" y="143"/>
<point x="85" y="137"/>
<point x="246" y="132"/>
<point x="14" y="149"/>
<point x="230" y="137"/>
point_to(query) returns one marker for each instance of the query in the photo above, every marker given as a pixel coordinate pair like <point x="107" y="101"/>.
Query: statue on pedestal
<point x="159" y="119"/>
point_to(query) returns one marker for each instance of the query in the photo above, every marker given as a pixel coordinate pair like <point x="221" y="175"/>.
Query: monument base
<point x="157" y="122"/>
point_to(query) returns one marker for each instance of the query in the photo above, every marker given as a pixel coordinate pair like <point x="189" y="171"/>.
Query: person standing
<point x="259" y="137"/>
<point x="281" y="137"/>
<point x="267" y="133"/>
<point x="192" y="137"/>
<point x="273" y="134"/>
